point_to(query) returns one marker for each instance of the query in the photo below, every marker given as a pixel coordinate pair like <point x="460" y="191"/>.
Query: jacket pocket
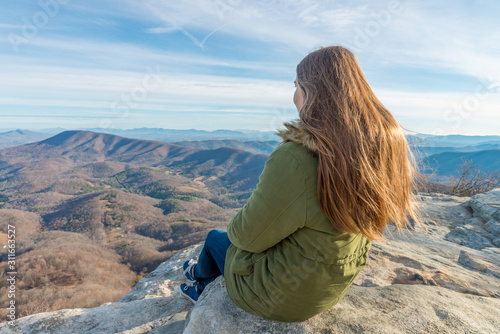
<point x="243" y="262"/>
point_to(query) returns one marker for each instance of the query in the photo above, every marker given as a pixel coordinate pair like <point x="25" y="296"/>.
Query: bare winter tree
<point x="470" y="180"/>
<point x="427" y="185"/>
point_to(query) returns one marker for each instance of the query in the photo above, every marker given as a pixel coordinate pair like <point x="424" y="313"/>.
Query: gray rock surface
<point x="482" y="228"/>
<point x="389" y="309"/>
<point x="446" y="281"/>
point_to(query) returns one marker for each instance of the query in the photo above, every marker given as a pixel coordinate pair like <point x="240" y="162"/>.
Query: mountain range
<point x="233" y="167"/>
<point x="132" y="203"/>
<point x="231" y="160"/>
<point x="445" y="163"/>
<point x="20" y="137"/>
<point x="84" y="200"/>
<point x="428" y="142"/>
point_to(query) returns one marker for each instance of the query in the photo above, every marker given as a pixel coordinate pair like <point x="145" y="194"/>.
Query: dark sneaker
<point x="188" y="268"/>
<point x="190" y="291"/>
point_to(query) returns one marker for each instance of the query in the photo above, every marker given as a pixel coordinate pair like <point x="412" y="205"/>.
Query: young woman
<point x="342" y="173"/>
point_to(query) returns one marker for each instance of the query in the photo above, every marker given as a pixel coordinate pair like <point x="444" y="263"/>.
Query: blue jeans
<point x="212" y="258"/>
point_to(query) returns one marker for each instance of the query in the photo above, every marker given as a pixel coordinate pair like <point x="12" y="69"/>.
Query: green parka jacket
<point x="286" y="261"/>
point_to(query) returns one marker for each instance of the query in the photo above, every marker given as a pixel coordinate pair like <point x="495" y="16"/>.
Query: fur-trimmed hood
<point x="296" y="132"/>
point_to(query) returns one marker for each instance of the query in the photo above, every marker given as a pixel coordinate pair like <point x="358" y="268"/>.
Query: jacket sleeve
<point x="276" y="208"/>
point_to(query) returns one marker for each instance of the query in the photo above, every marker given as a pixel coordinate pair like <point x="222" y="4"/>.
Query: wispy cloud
<point x="417" y="34"/>
<point x="60" y="86"/>
<point x="161" y="30"/>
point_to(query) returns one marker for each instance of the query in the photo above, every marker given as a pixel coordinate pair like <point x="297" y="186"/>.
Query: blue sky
<point x="230" y="64"/>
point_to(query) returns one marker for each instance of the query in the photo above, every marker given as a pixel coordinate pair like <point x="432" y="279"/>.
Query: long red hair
<point x="366" y="170"/>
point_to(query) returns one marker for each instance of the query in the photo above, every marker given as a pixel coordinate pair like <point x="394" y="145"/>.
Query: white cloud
<point x="161" y="30"/>
<point x="61" y="86"/>
<point x="444" y="113"/>
<point x="419" y="34"/>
